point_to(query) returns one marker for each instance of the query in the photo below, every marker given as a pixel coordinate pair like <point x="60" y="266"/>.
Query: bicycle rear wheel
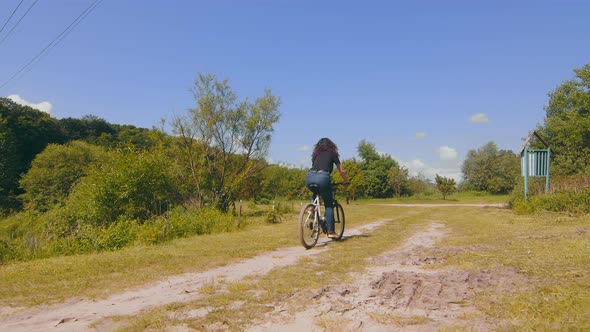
<point x="339" y="220"/>
<point x="309" y="227"/>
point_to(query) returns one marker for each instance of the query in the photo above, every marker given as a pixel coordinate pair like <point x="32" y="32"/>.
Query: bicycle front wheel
<point x="309" y="227"/>
<point x="339" y="220"/>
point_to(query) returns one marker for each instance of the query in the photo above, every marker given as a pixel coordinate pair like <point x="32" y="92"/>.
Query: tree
<point x="282" y="182"/>
<point x="88" y="128"/>
<point x="419" y="184"/>
<point x="367" y="151"/>
<point x="222" y="139"/>
<point x="446" y="186"/>
<point x="567" y="124"/>
<point x="130" y="185"/>
<point x="356" y="176"/>
<point x="25" y="132"/>
<point x="8" y="171"/>
<point x="571" y="96"/>
<point x="376" y="168"/>
<point x="398" y="179"/>
<point x="490" y="169"/>
<point x="55" y="171"/>
<point x="506" y="173"/>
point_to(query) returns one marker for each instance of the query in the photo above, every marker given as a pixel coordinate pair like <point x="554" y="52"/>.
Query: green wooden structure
<point x="534" y="162"/>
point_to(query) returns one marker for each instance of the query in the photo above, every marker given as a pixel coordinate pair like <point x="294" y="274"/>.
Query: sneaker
<point x="332" y="235"/>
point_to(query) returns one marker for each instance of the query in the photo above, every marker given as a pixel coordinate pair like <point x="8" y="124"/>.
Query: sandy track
<point x="398" y="292"/>
<point x="77" y="315"/>
<point x="396" y="285"/>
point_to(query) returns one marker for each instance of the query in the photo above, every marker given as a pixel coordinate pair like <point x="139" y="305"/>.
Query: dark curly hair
<point x="324" y="144"/>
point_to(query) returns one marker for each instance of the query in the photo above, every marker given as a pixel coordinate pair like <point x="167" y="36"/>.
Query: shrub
<point x="445" y="185"/>
<point x="263" y="201"/>
<point x="55" y="171"/>
<point x="118" y="235"/>
<point x="569" y="202"/>
<point x="179" y="223"/>
<point x="572" y="202"/>
<point x="131" y="186"/>
<point x="273" y="217"/>
<point x="569" y="194"/>
<point x="6" y="252"/>
<point x="29" y="235"/>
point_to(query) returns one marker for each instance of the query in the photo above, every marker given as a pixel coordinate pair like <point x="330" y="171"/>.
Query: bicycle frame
<point x="312" y="222"/>
<point x="318" y="206"/>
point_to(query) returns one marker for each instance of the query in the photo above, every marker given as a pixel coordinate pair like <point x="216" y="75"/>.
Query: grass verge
<point x="552" y="250"/>
<point x="241" y="304"/>
<point x="53" y="280"/>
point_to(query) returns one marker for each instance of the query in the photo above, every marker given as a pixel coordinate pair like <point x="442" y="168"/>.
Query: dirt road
<point x="396" y="285"/>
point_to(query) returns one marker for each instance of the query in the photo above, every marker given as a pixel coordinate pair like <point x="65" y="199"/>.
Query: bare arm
<point x="342" y="173"/>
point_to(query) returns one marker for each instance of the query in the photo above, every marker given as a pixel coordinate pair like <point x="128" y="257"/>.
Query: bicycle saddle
<point x="314" y="187"/>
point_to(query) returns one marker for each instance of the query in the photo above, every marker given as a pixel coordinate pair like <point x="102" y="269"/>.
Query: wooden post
<point x="526" y="173"/>
<point x="240" y="214"/>
<point x="547" y="178"/>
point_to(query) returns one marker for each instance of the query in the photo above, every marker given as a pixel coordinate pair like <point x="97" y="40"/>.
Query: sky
<point x="423" y="81"/>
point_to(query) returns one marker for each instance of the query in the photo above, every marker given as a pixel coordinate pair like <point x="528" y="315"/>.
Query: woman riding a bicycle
<point x="324" y="157"/>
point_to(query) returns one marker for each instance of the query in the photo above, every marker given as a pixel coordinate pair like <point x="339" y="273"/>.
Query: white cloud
<point x="417" y="166"/>
<point x="303" y="148"/>
<point x="446" y="153"/>
<point x="420" y="135"/>
<point x="479" y="118"/>
<point x="44" y="106"/>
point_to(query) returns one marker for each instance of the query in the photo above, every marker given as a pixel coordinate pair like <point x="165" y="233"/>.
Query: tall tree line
<point x="566" y="126"/>
<point x="219" y="147"/>
<point x="25" y="132"/>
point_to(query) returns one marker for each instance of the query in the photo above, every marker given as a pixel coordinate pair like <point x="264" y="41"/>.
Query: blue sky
<point x="424" y="81"/>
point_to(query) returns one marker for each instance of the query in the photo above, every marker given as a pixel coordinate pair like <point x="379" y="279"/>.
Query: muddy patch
<point x="439" y="291"/>
<point x="400" y="290"/>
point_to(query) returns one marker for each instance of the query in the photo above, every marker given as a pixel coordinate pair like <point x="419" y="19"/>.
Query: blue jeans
<point x="322" y="179"/>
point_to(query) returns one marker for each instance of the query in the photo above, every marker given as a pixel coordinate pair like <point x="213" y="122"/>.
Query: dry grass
<point x="52" y="280"/>
<point x="286" y="285"/>
<point x="399" y="321"/>
<point x="552" y="251"/>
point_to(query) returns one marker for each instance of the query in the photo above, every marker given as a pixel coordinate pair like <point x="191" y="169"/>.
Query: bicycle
<point x="311" y="220"/>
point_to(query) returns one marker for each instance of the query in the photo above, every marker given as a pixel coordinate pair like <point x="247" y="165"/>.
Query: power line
<point x="14" y="11"/>
<point x="14" y="26"/>
<point x="71" y="27"/>
<point x="54" y="42"/>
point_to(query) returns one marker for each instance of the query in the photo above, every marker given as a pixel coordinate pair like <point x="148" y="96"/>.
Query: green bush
<point x="27" y="236"/>
<point x="6" y="252"/>
<point x="273" y="217"/>
<point x="118" y="235"/>
<point x="263" y="201"/>
<point x="130" y="186"/>
<point x="180" y="223"/>
<point x="572" y="202"/>
<point x="211" y="221"/>
<point x="22" y="236"/>
<point x="153" y="231"/>
<point x="55" y="171"/>
<point x="569" y="202"/>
